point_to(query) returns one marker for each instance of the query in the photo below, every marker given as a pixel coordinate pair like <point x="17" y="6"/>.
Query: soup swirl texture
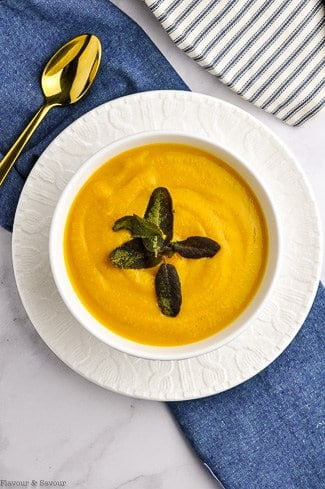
<point x="210" y="199"/>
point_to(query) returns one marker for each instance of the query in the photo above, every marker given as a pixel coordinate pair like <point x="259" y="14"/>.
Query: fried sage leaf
<point x="138" y="227"/>
<point x="168" y="290"/>
<point x="151" y="234"/>
<point x="133" y="254"/>
<point x="167" y="250"/>
<point x="160" y="212"/>
<point x="153" y="245"/>
<point x="125" y="222"/>
<point x="196" y="247"/>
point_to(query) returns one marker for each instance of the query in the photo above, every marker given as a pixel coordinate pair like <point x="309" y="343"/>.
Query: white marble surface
<point x="54" y="424"/>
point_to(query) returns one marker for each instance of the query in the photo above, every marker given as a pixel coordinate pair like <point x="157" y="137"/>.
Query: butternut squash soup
<point x="210" y="200"/>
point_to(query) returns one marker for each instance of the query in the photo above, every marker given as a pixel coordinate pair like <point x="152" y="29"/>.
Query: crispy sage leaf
<point x="160" y="212"/>
<point x="196" y="247"/>
<point x="168" y="290"/>
<point x="124" y="222"/>
<point x="167" y="250"/>
<point x="133" y="254"/>
<point x="154" y="244"/>
<point x="139" y="227"/>
<point x="151" y="234"/>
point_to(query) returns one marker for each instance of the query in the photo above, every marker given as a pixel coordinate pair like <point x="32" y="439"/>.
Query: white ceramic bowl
<point x="95" y="327"/>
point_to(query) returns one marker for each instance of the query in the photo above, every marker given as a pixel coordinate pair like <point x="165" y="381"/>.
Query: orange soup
<point x="209" y="199"/>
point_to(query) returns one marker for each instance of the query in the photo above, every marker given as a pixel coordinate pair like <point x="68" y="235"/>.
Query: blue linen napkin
<point x="268" y="433"/>
<point x="259" y="433"/>
<point x="30" y="32"/>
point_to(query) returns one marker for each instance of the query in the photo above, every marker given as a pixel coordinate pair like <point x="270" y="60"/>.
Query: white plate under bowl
<point x="279" y="319"/>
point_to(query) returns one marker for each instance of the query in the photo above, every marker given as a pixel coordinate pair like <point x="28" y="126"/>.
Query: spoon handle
<point x="9" y="159"/>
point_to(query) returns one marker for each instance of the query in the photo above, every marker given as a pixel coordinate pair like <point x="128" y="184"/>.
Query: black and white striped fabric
<point x="271" y="52"/>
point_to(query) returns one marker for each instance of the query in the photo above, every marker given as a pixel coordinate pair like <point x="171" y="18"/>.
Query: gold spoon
<point x="66" y="78"/>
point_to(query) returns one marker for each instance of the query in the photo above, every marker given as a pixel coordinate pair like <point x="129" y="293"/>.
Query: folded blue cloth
<point x="268" y="433"/>
<point x="263" y="434"/>
<point x="30" y="32"/>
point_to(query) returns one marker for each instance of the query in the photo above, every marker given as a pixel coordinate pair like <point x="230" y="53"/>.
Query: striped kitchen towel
<point x="271" y="52"/>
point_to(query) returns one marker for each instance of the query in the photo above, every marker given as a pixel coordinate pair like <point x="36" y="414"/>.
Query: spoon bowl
<point x="70" y="72"/>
